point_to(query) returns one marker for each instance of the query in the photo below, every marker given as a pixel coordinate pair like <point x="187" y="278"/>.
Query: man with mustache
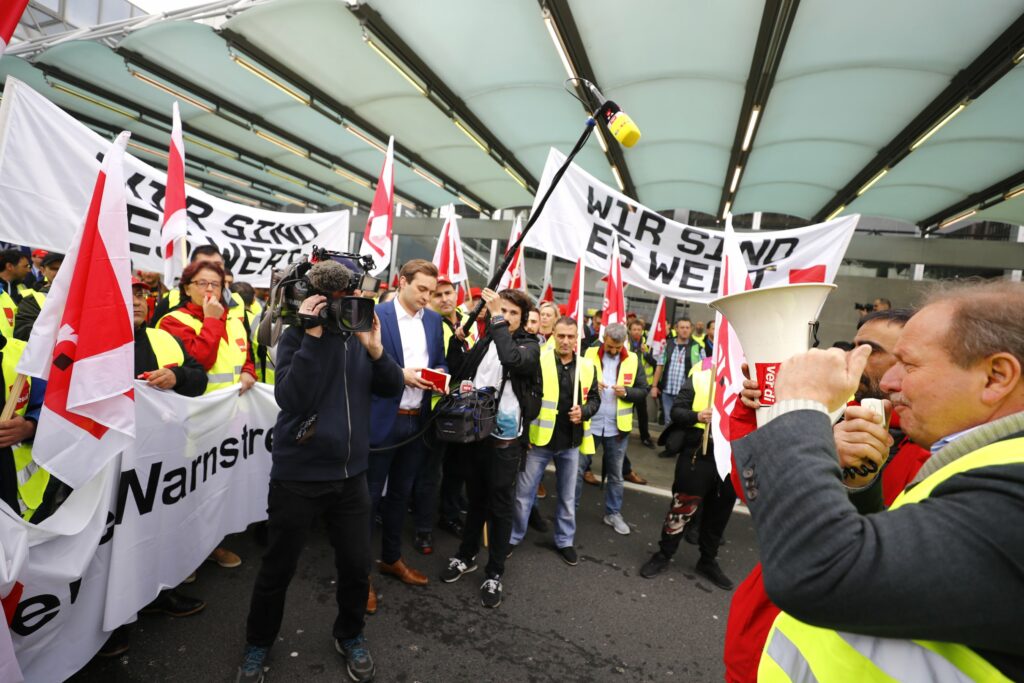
<point x="931" y="588"/>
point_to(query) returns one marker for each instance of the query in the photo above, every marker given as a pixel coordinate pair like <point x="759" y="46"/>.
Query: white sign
<point x="198" y="471"/>
<point x="672" y="259"/>
<point x="48" y="167"/>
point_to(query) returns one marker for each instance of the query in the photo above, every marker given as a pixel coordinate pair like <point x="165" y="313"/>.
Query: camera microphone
<point x="329" y="276"/>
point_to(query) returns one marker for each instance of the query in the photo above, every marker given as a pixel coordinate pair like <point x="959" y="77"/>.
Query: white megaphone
<point x="773" y="324"/>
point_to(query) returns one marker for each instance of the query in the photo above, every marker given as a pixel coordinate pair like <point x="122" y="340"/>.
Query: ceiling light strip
<point x="869" y="184"/>
<point x="172" y="92"/>
<point x="396" y="65"/>
<point x="755" y="113"/>
<point x="957" y="218"/>
<point x="263" y="75"/>
<point x="93" y="100"/>
<point x="282" y="144"/>
<point x="938" y="126"/>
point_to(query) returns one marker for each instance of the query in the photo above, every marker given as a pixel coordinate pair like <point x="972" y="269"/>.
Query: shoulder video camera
<point x="335" y="275"/>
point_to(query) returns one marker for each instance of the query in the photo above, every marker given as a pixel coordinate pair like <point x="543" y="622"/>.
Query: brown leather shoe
<point x="225" y="558"/>
<point x="589" y="477"/>
<point x="635" y="478"/>
<point x="403" y="572"/>
<point x="371" y="600"/>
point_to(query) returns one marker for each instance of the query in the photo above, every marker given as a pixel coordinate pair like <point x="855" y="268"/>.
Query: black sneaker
<point x="174" y="604"/>
<point x="117" y="643"/>
<point x="452" y="526"/>
<point x="568" y="554"/>
<point x="456" y="568"/>
<point x="424" y="542"/>
<point x="490" y="592"/>
<point x="251" y="669"/>
<point x="358" y="661"/>
<point x="710" y="570"/>
<point x="537" y="521"/>
<point x="654" y="566"/>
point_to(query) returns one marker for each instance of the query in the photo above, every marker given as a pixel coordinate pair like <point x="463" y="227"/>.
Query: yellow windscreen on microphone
<point x="621" y="126"/>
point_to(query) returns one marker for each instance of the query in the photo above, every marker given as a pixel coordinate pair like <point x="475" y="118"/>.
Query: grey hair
<point x="988" y="318"/>
<point x="616" y="332"/>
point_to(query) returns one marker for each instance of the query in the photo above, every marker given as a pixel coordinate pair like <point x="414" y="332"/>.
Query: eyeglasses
<point x="206" y="284"/>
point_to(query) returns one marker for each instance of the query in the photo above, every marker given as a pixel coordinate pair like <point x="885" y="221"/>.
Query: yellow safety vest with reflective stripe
<point x="166" y="348"/>
<point x="543" y="427"/>
<point x="32" y="479"/>
<point x="627" y="378"/>
<point x="703" y="389"/>
<point x="231" y="356"/>
<point x="797" y="652"/>
<point x="39" y="297"/>
<point x="8" y="309"/>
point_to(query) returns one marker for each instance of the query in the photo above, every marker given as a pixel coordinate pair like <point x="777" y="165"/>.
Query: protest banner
<point x="48" y="166"/>
<point x="666" y="257"/>
<point x="198" y="471"/>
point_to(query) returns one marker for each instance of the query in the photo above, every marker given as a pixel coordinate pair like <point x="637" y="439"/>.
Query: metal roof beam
<point x="254" y="121"/>
<point x="329" y="107"/>
<point x="154" y="118"/>
<point x="969" y="84"/>
<point x="776" y="24"/>
<point x="1005" y="189"/>
<point x="438" y="92"/>
<point x="569" y="34"/>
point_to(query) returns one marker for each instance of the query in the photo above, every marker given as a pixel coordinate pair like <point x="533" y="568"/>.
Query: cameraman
<point x="324" y="382"/>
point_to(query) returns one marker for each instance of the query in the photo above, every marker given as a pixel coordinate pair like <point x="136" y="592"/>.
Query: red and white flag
<point x="547" y="293"/>
<point x="574" y="308"/>
<point x="175" y="226"/>
<point x="659" y="329"/>
<point x="448" y="254"/>
<point x="728" y="352"/>
<point x="82" y="341"/>
<point x="10" y="15"/>
<point x="515" y="276"/>
<point x="614" y="304"/>
<point x="377" y="236"/>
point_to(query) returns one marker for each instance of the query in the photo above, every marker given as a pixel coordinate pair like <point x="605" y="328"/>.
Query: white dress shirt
<point x="414" y="349"/>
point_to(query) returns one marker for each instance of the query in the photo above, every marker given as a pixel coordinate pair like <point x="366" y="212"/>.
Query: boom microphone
<point x="619" y="123"/>
<point x="329" y="276"/>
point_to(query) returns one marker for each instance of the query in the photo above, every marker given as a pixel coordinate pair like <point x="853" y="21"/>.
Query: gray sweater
<point x="950" y="568"/>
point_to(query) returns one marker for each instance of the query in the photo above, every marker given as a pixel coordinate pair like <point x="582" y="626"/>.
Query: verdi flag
<point x="515" y="276"/>
<point x="175" y="226"/>
<point x="10" y="15"/>
<point x="614" y="304"/>
<point x="83" y="343"/>
<point x="377" y="236"/>
<point x="659" y="329"/>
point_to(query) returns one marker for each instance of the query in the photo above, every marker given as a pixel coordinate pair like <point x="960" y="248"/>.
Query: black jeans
<point x="292" y="506"/>
<point x="438" y="471"/>
<point x="397" y="467"/>
<point x="696" y="483"/>
<point x="490" y="474"/>
<point x="642" y="419"/>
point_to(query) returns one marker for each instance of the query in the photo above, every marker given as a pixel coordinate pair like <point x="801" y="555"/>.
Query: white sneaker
<point x="616" y="522"/>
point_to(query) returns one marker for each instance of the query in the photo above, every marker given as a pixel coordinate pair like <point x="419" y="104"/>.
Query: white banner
<point x="672" y="259"/>
<point x="198" y="471"/>
<point x="48" y="166"/>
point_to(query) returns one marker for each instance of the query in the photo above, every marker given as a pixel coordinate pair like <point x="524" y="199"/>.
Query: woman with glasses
<point x="218" y="341"/>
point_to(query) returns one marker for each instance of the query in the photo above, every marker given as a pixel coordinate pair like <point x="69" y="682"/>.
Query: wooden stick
<point x="707" y="427"/>
<point x="12" y="398"/>
<point x="486" y="544"/>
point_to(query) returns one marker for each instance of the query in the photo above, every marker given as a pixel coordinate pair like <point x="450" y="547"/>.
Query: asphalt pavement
<point x="598" y="621"/>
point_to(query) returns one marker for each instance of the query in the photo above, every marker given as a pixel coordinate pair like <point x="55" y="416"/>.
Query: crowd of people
<point x="843" y="588"/>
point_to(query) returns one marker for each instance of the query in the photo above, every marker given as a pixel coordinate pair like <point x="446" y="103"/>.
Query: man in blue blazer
<point x="411" y="334"/>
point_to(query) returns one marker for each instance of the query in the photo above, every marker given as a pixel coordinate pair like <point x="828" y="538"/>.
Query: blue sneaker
<point x="358" y="661"/>
<point x="251" y="670"/>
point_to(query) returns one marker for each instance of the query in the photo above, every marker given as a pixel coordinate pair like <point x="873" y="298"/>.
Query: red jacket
<point x="205" y="345"/>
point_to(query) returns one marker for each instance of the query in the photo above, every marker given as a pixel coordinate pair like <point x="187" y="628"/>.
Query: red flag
<point x="614" y="303"/>
<point x="82" y="341"/>
<point x="377" y="236"/>
<point x="175" y="226"/>
<point x="548" y="294"/>
<point x="10" y="15"/>
<point x="515" y="276"/>
<point x="448" y="255"/>
<point x="575" y="306"/>
<point x="659" y="329"/>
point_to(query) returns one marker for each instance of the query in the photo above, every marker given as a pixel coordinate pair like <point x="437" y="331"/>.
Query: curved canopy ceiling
<point x="906" y="110"/>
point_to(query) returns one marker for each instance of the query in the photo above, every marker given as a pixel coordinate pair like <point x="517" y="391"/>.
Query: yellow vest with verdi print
<point x="627" y="377"/>
<point x="8" y="309"/>
<point x="231" y="356"/>
<point x="32" y="479"/>
<point x="797" y="652"/>
<point x="543" y="427"/>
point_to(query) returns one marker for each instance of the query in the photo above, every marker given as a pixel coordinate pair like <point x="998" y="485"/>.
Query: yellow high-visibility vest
<point x="8" y="309"/>
<point x="166" y="348"/>
<point x="543" y="427"/>
<point x="231" y="354"/>
<point x="32" y="479"/>
<point x="797" y="652"/>
<point x="627" y="378"/>
<point x="703" y="391"/>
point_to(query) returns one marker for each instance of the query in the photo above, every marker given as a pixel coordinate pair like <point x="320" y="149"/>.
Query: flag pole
<point x="12" y="398"/>
<point x="711" y="404"/>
